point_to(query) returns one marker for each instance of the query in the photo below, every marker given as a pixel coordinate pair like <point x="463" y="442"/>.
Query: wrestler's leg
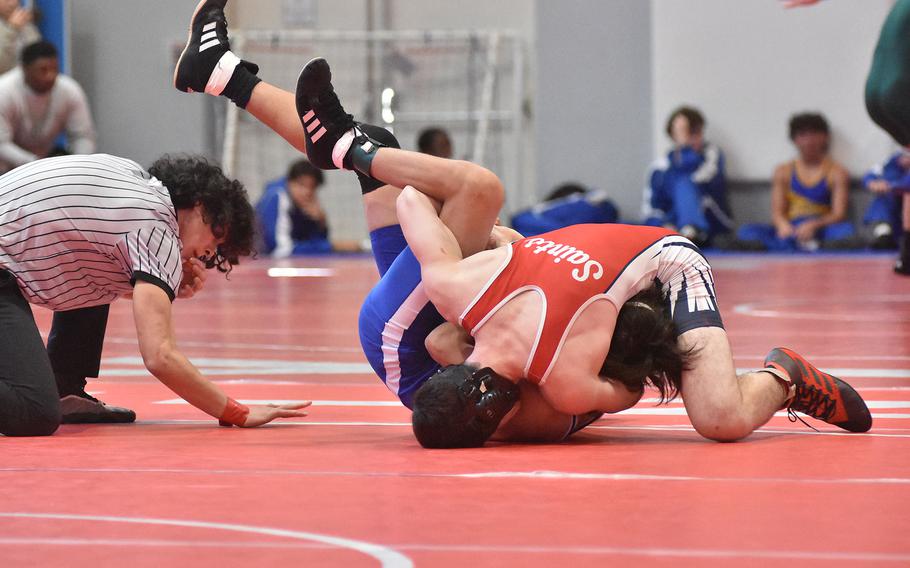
<point x="721" y="405"/>
<point x="468" y="196"/>
<point x="274" y="108"/>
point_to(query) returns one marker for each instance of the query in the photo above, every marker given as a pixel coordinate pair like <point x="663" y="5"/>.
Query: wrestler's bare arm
<point x="446" y="280"/>
<point x="534" y="421"/>
<point x="449" y="344"/>
<point x="574" y="386"/>
<point x="583" y="393"/>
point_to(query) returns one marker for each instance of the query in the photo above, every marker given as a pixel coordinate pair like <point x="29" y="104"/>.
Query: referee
<point x="76" y="233"/>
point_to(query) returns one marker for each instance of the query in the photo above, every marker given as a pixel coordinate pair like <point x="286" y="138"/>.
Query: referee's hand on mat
<point x="194" y="275"/>
<point x="264" y="413"/>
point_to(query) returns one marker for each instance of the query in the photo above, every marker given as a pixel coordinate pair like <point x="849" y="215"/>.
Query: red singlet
<point x="570" y="268"/>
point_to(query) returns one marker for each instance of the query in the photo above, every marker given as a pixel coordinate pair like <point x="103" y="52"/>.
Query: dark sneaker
<point x="819" y="394"/>
<point x="207" y="63"/>
<point x="85" y="409"/>
<point x="333" y="139"/>
<point x="902" y="266"/>
<point x="325" y="121"/>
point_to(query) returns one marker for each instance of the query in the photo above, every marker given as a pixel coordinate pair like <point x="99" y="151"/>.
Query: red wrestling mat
<point x="348" y="486"/>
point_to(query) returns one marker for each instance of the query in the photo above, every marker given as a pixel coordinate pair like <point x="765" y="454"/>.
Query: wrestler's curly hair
<point x="644" y="349"/>
<point x="193" y="180"/>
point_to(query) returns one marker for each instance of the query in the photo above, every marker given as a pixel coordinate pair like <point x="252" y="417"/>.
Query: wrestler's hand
<point x="194" y="275"/>
<point x="627" y="394"/>
<point x="501" y="235"/>
<point x="264" y="413"/>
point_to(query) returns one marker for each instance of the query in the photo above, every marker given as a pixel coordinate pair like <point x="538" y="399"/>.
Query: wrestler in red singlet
<point x="571" y="268"/>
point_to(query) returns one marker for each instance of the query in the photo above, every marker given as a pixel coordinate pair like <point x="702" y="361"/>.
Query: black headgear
<point x="461" y="406"/>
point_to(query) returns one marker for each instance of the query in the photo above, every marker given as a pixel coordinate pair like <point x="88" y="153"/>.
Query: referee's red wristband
<point x="234" y="414"/>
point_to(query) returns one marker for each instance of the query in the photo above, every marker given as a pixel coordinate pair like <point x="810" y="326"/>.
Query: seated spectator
<point x="290" y="216"/>
<point x="16" y="31"/>
<point x="808" y="195"/>
<point x="37" y="105"/>
<point x="435" y="141"/>
<point x="568" y="204"/>
<point x="884" y="212"/>
<point x="686" y="189"/>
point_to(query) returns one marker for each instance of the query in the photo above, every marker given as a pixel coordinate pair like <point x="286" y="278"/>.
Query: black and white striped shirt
<point x="78" y="231"/>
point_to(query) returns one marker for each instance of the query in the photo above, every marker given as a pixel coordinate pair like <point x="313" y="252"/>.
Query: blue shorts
<point x="397" y="317"/>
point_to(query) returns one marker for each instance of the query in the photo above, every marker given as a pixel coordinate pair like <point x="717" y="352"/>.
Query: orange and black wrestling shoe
<point x="819" y="394"/>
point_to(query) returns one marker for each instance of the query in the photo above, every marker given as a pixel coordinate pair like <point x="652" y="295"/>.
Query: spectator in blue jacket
<point x="886" y="181"/>
<point x="568" y="204"/>
<point x="290" y="216"/>
<point x="686" y="189"/>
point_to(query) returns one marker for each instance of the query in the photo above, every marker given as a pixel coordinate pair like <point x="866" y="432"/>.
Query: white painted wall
<point x="123" y="56"/>
<point x="593" y="97"/>
<point x="750" y="64"/>
<point x="401" y="14"/>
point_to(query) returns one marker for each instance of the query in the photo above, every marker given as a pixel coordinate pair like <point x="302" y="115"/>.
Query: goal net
<point x="468" y="83"/>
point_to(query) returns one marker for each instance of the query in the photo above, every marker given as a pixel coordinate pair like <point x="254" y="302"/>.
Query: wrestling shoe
<point x="207" y="62"/>
<point x="819" y="394"/>
<point x="86" y="409"/>
<point x="333" y="139"/>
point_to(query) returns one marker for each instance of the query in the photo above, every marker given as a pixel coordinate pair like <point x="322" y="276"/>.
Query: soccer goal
<point x="469" y="83"/>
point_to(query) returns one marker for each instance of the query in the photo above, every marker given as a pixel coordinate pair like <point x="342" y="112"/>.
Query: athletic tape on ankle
<point x="341" y="148"/>
<point x="234" y="414"/>
<point x="784" y="378"/>
<point x="221" y="74"/>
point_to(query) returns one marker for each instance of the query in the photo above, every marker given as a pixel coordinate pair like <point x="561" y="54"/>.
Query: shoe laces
<point x="792" y="416"/>
<point x="811" y="401"/>
<point x="331" y="111"/>
<point x="87" y="396"/>
<point x="216" y="15"/>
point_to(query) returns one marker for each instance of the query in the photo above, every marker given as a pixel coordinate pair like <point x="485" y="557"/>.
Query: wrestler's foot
<point x="207" y="63"/>
<point x="819" y="394"/>
<point x="333" y="139"/>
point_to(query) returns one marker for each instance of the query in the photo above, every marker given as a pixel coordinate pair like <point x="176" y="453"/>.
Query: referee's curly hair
<point x="193" y="180"/>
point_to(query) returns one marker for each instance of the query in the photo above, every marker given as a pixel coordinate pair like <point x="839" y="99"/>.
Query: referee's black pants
<point x="74" y="346"/>
<point x="33" y="379"/>
<point x="29" y="403"/>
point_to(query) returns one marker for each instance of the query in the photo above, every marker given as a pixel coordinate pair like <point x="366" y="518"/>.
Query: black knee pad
<point x="384" y="137"/>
